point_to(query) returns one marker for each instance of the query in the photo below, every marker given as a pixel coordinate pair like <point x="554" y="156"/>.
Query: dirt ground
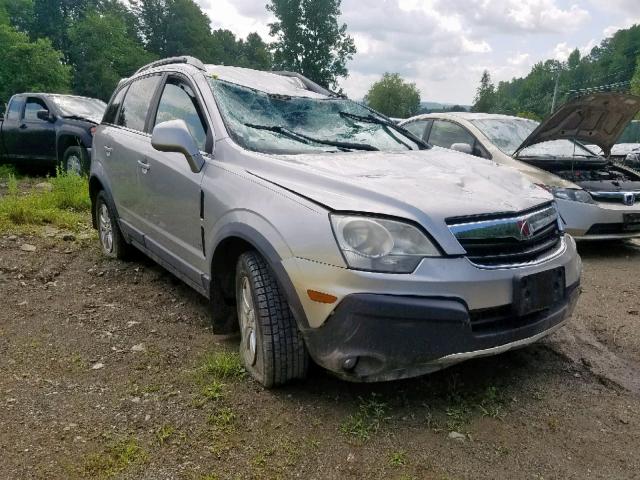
<point x="109" y="369"/>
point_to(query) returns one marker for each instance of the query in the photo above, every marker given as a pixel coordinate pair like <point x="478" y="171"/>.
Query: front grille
<point x="626" y="198"/>
<point x="509" y="240"/>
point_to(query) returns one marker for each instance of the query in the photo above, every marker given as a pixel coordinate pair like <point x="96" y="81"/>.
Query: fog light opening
<point x="349" y="364"/>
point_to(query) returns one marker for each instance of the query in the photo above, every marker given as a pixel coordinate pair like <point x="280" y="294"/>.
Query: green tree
<point x="309" y="39"/>
<point x="485" y="95"/>
<point x="103" y="52"/>
<point x="52" y="19"/>
<point x="17" y="13"/>
<point x="394" y="97"/>
<point x="187" y="30"/>
<point x="29" y="66"/>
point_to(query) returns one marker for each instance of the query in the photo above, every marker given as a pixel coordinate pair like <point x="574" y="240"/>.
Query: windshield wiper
<point x="300" y="137"/>
<point x="380" y="121"/>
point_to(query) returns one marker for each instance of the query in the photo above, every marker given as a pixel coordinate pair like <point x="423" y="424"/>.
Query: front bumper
<point x="599" y="221"/>
<point x="409" y="324"/>
<point x="384" y="337"/>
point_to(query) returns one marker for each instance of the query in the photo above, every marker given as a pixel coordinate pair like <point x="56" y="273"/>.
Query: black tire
<point x="280" y="354"/>
<point x="76" y="160"/>
<point x="117" y="247"/>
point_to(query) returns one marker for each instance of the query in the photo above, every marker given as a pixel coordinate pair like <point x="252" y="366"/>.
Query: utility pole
<point x="555" y="92"/>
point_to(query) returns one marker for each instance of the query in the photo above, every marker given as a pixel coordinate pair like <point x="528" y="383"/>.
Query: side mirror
<point x="462" y="147"/>
<point x="174" y="136"/>
<point x="45" y="115"/>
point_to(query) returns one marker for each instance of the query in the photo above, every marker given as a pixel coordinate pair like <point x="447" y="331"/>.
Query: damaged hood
<point x="432" y="184"/>
<point x="597" y="119"/>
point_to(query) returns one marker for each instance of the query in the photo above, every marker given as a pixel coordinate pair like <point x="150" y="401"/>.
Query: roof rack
<point x="173" y="60"/>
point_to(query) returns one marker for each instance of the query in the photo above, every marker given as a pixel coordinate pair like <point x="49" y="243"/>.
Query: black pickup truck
<point x="49" y="130"/>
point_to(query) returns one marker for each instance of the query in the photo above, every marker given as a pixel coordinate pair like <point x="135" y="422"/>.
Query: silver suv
<point x="321" y="229"/>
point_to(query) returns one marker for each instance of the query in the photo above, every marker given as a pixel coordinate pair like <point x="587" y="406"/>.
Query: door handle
<point x="144" y="166"/>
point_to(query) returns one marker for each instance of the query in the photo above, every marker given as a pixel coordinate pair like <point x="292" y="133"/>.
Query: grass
<point x="66" y="205"/>
<point x="116" y="458"/>
<point x="164" y="433"/>
<point x="224" y="365"/>
<point x="367" y="420"/>
<point x="398" y="459"/>
<point x="222" y="419"/>
<point x="214" y="391"/>
<point x="6" y="171"/>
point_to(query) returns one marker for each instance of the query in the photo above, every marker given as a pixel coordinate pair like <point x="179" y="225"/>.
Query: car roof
<point x="466" y="116"/>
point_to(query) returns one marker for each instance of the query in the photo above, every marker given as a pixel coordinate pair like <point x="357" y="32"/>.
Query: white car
<point x="597" y="198"/>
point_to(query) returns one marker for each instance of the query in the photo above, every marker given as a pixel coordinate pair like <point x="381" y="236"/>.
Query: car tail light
<point x="93" y="131"/>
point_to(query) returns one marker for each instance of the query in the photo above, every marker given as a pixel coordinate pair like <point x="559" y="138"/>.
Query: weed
<point x="65" y="205"/>
<point x="224" y="365"/>
<point x="211" y="476"/>
<point x="491" y="403"/>
<point x="114" y="459"/>
<point x="7" y="171"/>
<point x="222" y="419"/>
<point x="398" y="459"/>
<point x="214" y="391"/>
<point x="163" y="434"/>
<point x="367" y="419"/>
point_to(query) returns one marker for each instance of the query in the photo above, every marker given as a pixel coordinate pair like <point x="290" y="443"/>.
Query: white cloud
<point x="562" y="50"/>
<point x="611" y="29"/>
<point x="517" y="16"/>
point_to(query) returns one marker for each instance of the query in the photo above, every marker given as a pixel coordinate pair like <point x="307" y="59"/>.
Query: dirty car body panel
<point x="291" y="189"/>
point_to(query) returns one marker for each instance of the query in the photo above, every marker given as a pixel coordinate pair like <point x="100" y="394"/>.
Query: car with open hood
<point x="320" y="229"/>
<point x="597" y="198"/>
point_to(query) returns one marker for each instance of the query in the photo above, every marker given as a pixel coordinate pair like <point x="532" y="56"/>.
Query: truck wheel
<point x="76" y="161"/>
<point x="271" y="346"/>
<point x="111" y="239"/>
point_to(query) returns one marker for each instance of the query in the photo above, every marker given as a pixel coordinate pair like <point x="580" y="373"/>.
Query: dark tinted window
<point x="114" y="106"/>
<point x="15" y="108"/>
<point x="444" y="134"/>
<point x="31" y="109"/>
<point x="136" y="103"/>
<point x="178" y="102"/>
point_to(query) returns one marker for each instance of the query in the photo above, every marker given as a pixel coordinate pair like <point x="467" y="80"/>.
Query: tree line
<point x="614" y="64"/>
<point x="87" y="46"/>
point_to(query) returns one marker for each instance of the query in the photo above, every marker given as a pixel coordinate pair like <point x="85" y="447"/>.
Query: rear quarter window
<point x="114" y="105"/>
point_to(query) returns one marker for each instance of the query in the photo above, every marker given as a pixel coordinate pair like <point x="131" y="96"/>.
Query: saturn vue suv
<point x="323" y="231"/>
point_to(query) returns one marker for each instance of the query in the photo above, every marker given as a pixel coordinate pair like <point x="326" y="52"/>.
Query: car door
<point x="445" y="133"/>
<point x="37" y="136"/>
<point x="11" y="128"/>
<point x="170" y="189"/>
<point x="122" y="145"/>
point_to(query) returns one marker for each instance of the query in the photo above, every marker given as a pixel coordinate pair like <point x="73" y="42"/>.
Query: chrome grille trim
<point x="515" y="240"/>
<point x="626" y="198"/>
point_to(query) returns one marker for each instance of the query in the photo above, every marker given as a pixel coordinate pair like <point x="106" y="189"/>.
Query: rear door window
<point x="179" y="102"/>
<point x="137" y="101"/>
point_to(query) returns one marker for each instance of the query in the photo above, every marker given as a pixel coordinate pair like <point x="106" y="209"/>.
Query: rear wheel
<point x="111" y="239"/>
<point x="271" y="346"/>
<point x="76" y="161"/>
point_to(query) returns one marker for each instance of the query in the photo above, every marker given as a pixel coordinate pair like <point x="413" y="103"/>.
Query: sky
<point x="444" y="45"/>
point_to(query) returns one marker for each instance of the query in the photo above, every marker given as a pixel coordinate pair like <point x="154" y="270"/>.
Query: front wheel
<point x="75" y="161"/>
<point x="271" y="346"/>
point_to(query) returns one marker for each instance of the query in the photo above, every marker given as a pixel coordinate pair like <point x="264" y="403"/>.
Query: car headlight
<point x="381" y="245"/>
<point x="572" y="194"/>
